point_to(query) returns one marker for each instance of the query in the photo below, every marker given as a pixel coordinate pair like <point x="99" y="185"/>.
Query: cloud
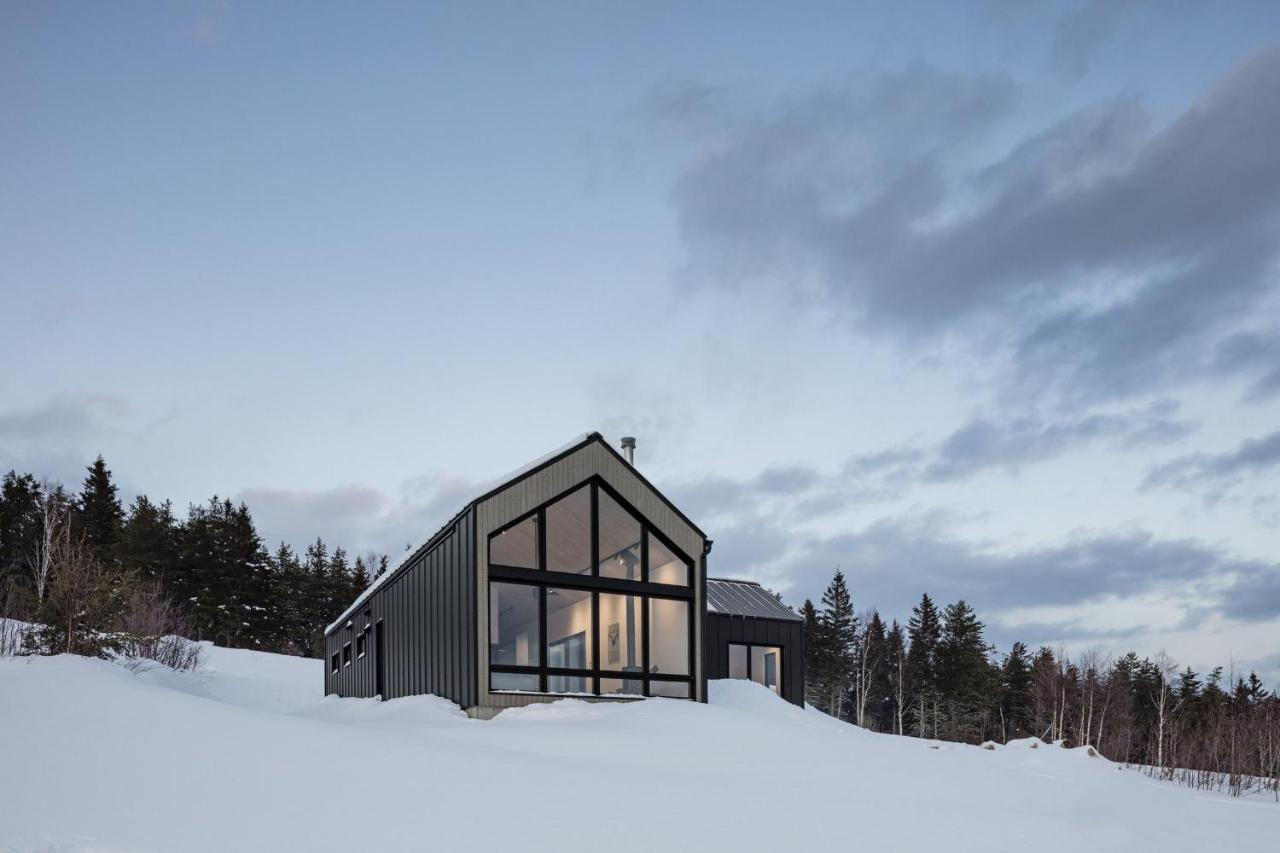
<point x="358" y="517"/>
<point x="1215" y="474"/>
<point x="1038" y="594"/>
<point x="1256" y="595"/>
<point x="66" y="418"/>
<point x="803" y="492"/>
<point x="983" y="444"/>
<point x="1252" y="352"/>
<point x="1107" y="252"/>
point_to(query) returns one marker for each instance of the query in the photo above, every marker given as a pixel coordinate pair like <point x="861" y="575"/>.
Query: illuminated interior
<point x="620" y="633"/>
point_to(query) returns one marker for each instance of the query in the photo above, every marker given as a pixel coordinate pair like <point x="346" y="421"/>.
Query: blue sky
<point x="978" y="299"/>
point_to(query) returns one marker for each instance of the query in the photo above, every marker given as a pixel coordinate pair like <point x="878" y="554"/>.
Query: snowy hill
<point x="246" y="755"/>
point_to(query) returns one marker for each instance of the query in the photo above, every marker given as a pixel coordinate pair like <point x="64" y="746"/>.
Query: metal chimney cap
<point x="628" y="442"/>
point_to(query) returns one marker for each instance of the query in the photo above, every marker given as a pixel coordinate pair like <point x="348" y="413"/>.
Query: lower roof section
<point x="745" y="598"/>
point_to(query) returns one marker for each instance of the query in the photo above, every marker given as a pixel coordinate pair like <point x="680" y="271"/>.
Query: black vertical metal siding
<point x="427" y="614"/>
<point x="721" y="630"/>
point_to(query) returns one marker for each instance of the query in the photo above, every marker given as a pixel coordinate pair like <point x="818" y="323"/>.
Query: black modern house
<point x="573" y="576"/>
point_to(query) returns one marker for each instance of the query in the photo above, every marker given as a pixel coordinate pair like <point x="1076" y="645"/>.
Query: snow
<point x="245" y="754"/>
<point x="484" y="489"/>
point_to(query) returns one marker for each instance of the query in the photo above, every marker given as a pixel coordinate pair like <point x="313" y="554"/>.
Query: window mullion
<point x="542" y="539"/>
<point x="644" y="643"/>
<point x="595" y="530"/>
<point x="644" y="554"/>
<point x="542" y="639"/>
<point x="595" y="643"/>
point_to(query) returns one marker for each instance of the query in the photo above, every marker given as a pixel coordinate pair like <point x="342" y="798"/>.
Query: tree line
<point x="938" y="677"/>
<point x="87" y="569"/>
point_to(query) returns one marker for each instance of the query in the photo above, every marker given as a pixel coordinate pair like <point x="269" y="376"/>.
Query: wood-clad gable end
<point x="592" y="460"/>
<point x="427" y="613"/>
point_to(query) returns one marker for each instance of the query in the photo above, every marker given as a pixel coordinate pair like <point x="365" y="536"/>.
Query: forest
<point x="98" y="578"/>
<point x="95" y="574"/>
<point x="938" y="677"/>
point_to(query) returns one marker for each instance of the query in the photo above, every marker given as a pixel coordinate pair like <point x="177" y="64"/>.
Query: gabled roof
<point x="489" y="491"/>
<point x="745" y="598"/>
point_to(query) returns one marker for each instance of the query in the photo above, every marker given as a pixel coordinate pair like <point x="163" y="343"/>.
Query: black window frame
<point x="595" y="583"/>
<point x="362" y="643"/>
<point x="335" y="663"/>
<point x="346" y="655"/>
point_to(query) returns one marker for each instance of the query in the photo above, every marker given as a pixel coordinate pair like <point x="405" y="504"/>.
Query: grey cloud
<point x="358" y="517"/>
<point x="891" y="562"/>
<point x="788" y="480"/>
<point x="1216" y="473"/>
<point x="65" y="417"/>
<point x="983" y="444"/>
<point x="977" y="446"/>
<point x="1256" y="595"/>
<point x="1255" y="353"/>
<point x="855" y="188"/>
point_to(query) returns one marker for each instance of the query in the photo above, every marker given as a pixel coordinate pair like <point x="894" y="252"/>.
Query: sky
<point x="974" y="299"/>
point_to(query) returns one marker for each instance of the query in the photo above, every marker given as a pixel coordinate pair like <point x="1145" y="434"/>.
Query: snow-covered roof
<point x="485" y="491"/>
<point x="745" y="598"/>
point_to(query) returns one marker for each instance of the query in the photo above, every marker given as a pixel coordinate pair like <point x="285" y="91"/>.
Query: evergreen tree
<point x="1015" y="693"/>
<point x="839" y="626"/>
<point x="964" y="674"/>
<point x="924" y="630"/>
<point x="319" y="607"/>
<point x="19" y="501"/>
<point x="100" y="517"/>
<point x="812" y="653"/>
<point x="360" y="577"/>
<point x="222" y="575"/>
<point x="293" y="603"/>
<point x="875" y="652"/>
<point x="148" y="540"/>
<point x="899" y="676"/>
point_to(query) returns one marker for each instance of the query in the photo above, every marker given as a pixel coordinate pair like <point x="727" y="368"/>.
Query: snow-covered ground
<point x="245" y="755"/>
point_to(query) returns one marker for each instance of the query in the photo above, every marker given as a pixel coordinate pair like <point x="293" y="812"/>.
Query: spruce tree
<point x="964" y="674"/>
<point x="1015" y="692"/>
<point x="222" y="575"/>
<point x="359" y="578"/>
<point x="812" y="653"/>
<point x="19" y="501"/>
<point x="148" y="540"/>
<point x="924" y="629"/>
<point x="319" y="607"/>
<point x="874" y="652"/>
<point x="839" y="627"/>
<point x="100" y="516"/>
<point x="291" y="586"/>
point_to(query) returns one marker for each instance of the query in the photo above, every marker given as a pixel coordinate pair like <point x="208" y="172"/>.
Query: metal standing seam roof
<point x="745" y="598"/>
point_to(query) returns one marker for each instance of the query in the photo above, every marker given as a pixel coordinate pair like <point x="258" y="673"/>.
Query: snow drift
<point x="246" y="755"/>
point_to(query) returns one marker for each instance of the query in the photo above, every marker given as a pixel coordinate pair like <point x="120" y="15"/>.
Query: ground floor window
<point x="554" y="638"/>
<point x="761" y="664"/>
